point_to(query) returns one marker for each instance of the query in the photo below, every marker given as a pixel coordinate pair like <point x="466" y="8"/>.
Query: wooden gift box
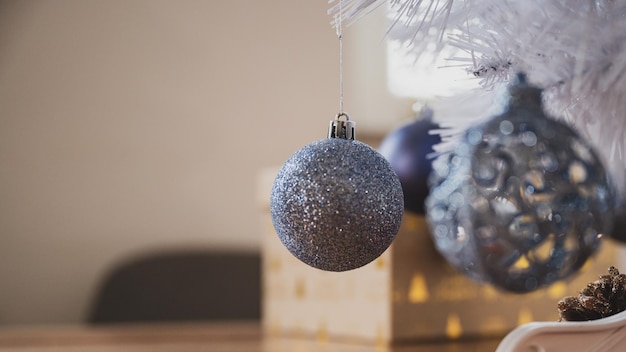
<point x="409" y="293"/>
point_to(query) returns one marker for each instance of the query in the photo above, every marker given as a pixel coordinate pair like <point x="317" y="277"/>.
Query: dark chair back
<point x="181" y="286"/>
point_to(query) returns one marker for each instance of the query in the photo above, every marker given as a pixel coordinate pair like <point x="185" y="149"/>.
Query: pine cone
<point x="599" y="299"/>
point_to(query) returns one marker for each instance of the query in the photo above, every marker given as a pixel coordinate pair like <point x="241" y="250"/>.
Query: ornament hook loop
<point x="344" y="114"/>
<point x="342" y="129"/>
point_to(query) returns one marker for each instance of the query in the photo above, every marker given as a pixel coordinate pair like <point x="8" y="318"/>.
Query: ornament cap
<point x="523" y="94"/>
<point x="342" y="128"/>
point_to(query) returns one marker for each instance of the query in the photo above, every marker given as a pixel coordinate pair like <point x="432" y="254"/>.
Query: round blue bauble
<point x="408" y="150"/>
<point x="523" y="201"/>
<point x="336" y="204"/>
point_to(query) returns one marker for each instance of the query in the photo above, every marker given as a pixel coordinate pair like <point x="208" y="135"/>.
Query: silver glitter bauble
<point x="523" y="200"/>
<point x="336" y="204"/>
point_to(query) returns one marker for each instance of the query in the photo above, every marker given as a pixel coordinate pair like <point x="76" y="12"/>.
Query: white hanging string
<point x="339" y="27"/>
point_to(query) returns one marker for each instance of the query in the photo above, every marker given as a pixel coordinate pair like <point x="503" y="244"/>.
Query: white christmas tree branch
<point x="574" y="49"/>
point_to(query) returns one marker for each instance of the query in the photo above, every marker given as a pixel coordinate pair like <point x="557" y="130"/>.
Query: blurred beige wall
<point x="127" y="126"/>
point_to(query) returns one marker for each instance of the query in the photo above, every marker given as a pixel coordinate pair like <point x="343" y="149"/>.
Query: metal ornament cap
<point x="336" y="204"/>
<point x="342" y="129"/>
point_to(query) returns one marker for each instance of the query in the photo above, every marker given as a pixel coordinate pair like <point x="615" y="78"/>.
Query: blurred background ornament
<point x="337" y="204"/>
<point x="523" y="200"/>
<point x="409" y="150"/>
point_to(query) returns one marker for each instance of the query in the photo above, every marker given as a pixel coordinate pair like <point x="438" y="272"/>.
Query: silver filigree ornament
<point x="337" y="204"/>
<point x="522" y="201"/>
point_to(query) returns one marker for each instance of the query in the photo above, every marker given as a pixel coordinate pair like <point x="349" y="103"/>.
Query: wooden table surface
<point x="187" y="337"/>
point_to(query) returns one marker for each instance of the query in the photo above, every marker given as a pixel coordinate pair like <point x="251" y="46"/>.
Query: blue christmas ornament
<point x="336" y="204"/>
<point x="523" y="200"/>
<point x="408" y="150"/>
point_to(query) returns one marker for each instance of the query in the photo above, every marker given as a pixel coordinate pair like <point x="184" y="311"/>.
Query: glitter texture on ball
<point x="523" y="200"/>
<point x="336" y="204"/>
